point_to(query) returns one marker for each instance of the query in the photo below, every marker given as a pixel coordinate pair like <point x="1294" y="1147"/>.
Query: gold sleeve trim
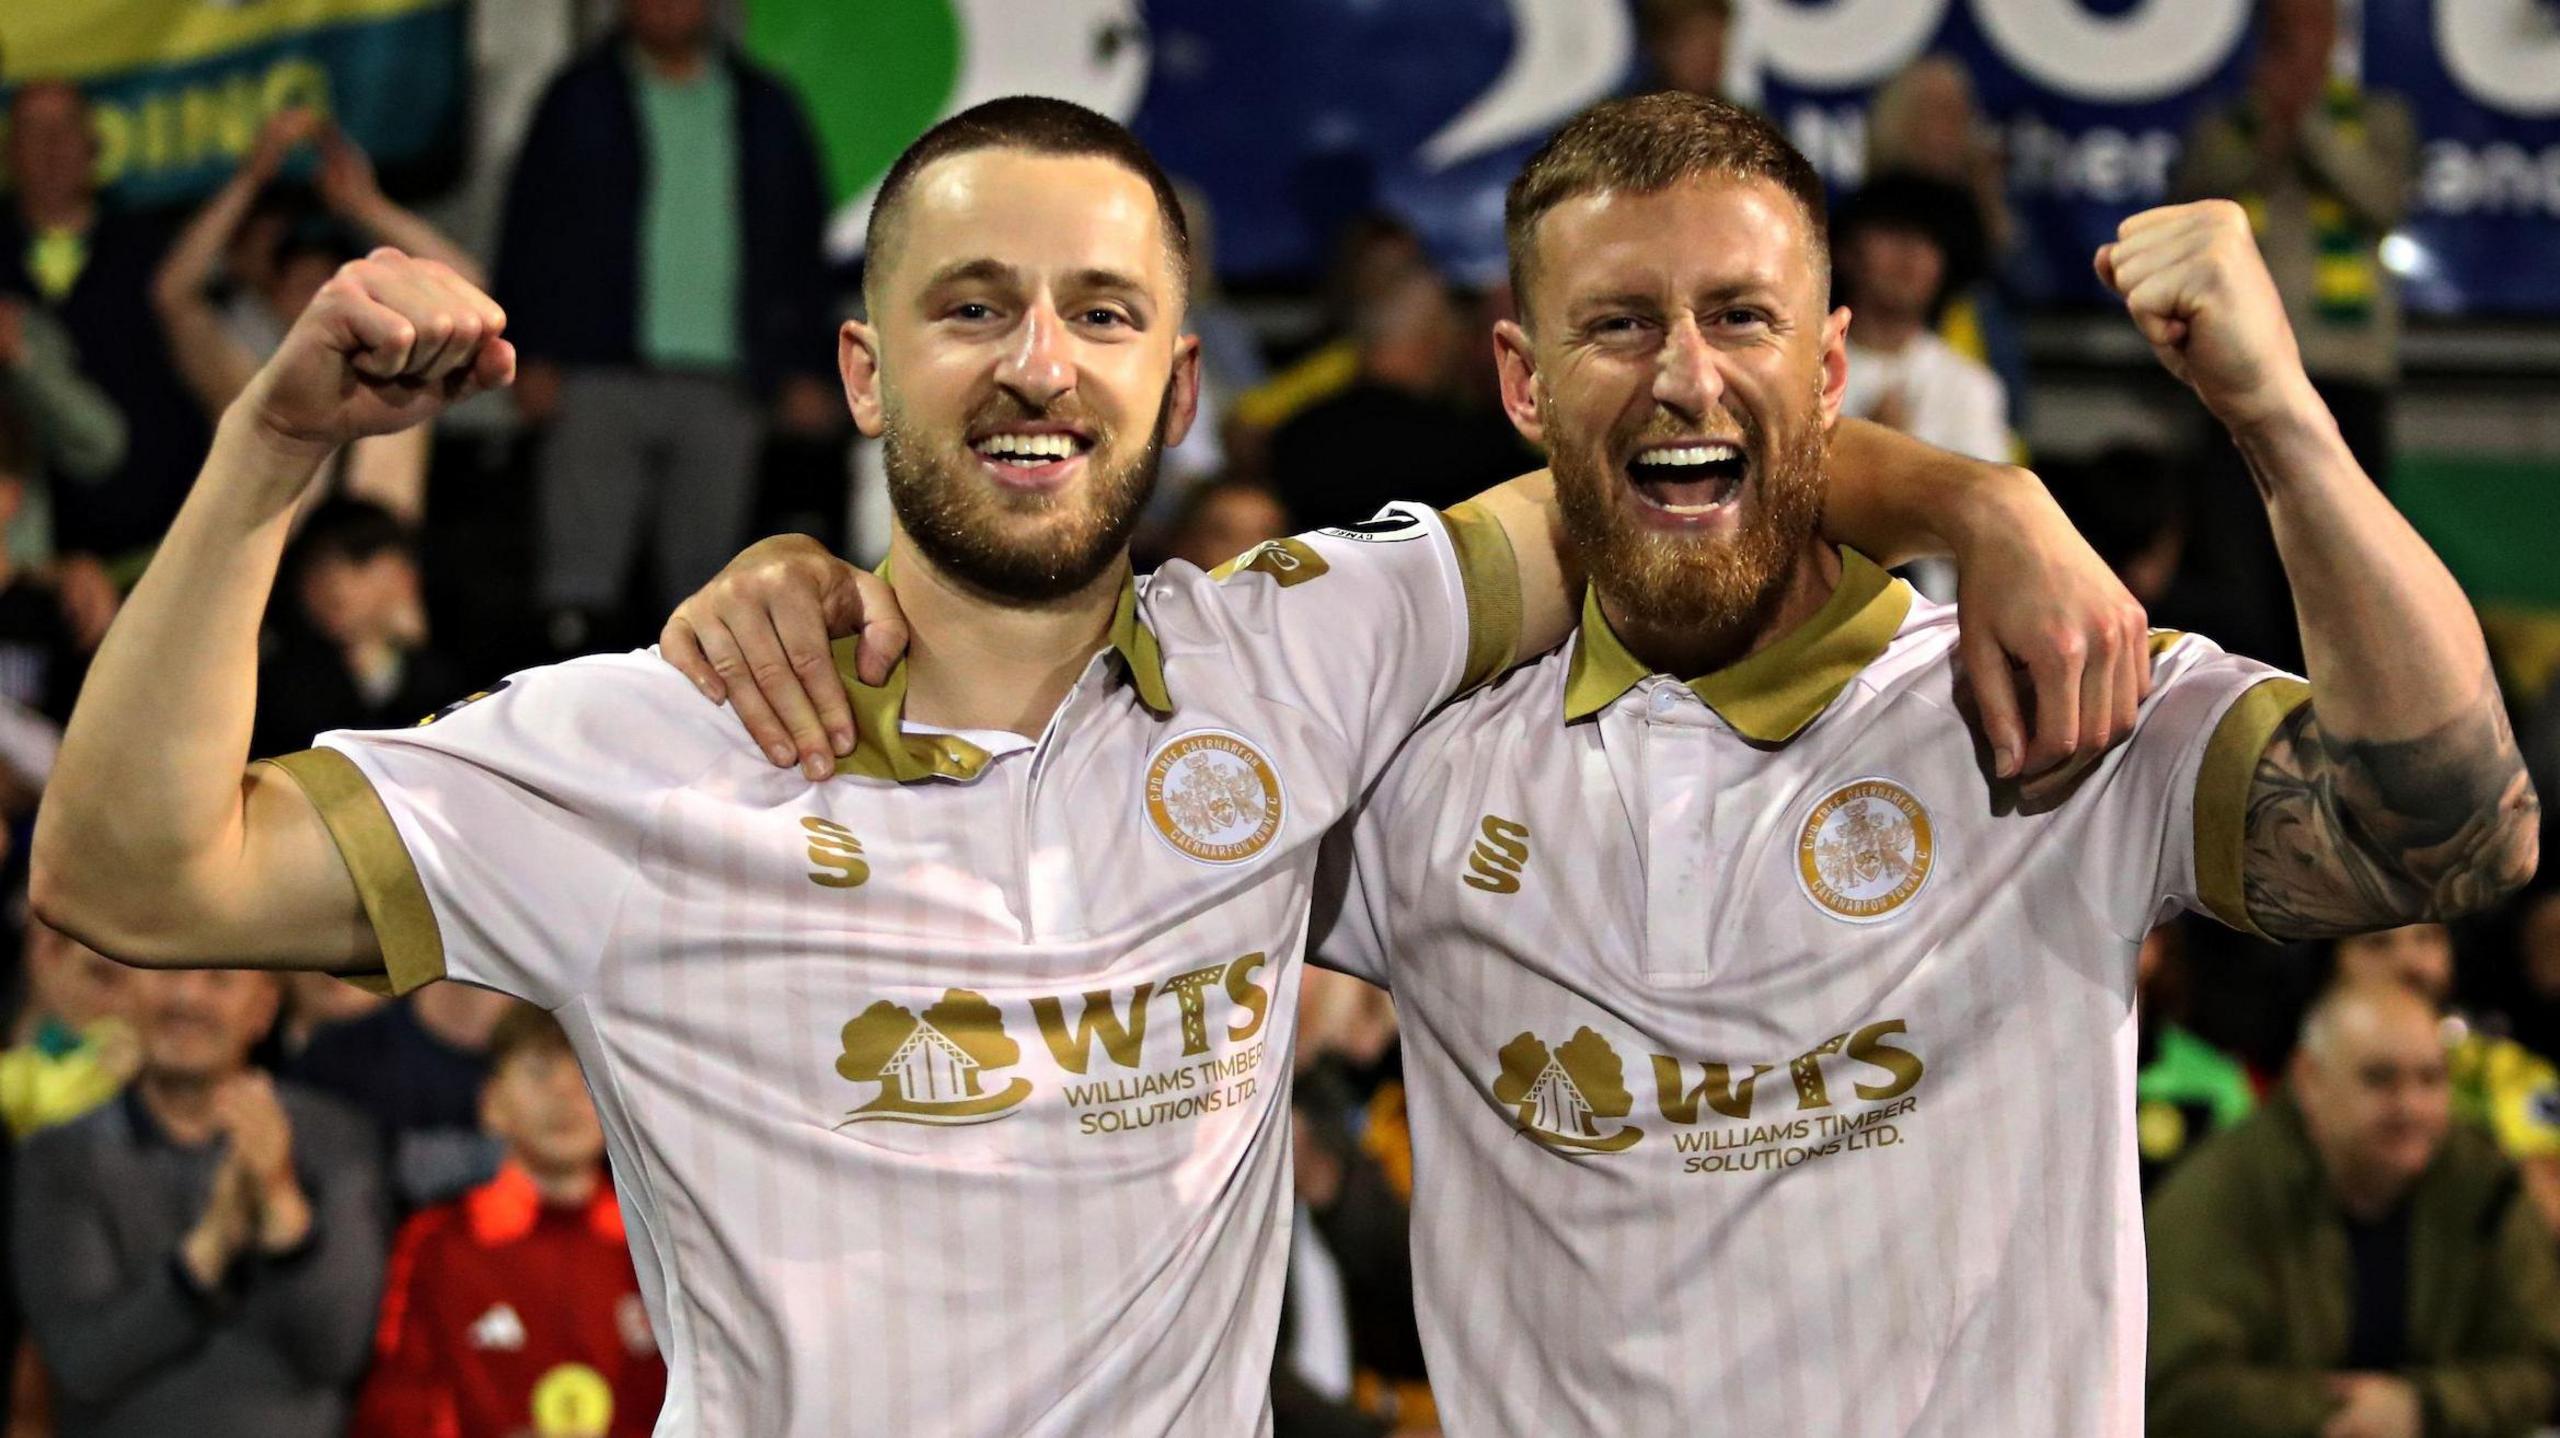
<point x="404" y="924"/>
<point x="2222" y="794"/>
<point x="1491" y="573"/>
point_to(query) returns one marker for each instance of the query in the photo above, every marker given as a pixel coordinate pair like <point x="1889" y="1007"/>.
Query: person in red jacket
<point x="513" y="1312"/>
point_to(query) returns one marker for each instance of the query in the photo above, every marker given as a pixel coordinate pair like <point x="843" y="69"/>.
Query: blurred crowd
<point x="245" y="1205"/>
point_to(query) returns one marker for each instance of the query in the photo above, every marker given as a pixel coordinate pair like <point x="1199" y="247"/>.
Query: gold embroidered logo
<point x="932" y="1068"/>
<point x="1560" y="1097"/>
<point x="1213" y="797"/>
<point x="833" y="848"/>
<point x="1495" y="864"/>
<point x="1287" y="561"/>
<point x="1865" y="850"/>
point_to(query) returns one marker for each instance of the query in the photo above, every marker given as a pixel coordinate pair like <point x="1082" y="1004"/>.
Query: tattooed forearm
<point x="2349" y="835"/>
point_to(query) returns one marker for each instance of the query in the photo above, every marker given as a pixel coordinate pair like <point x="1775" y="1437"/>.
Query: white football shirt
<point x="949" y="1097"/>
<point x="1769" y="1070"/>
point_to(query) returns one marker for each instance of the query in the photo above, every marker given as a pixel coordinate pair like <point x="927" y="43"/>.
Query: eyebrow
<point x="961" y="271"/>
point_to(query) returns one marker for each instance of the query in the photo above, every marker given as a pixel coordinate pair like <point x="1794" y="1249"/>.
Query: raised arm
<point x="348" y="187"/>
<point x="216" y="366"/>
<point x="2397" y="794"/>
<point x="153" y="844"/>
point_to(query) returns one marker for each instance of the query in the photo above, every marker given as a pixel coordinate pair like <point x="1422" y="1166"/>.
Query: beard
<point x="1026" y="548"/>
<point x="1662" y="580"/>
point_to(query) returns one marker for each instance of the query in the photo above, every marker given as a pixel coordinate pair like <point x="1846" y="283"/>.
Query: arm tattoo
<point x="2347" y="835"/>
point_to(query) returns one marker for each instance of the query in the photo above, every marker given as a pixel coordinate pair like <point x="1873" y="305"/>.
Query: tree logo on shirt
<point x="932" y="1068"/>
<point x="1865" y="850"/>
<point x="1561" y="1097"/>
<point x="1213" y="797"/>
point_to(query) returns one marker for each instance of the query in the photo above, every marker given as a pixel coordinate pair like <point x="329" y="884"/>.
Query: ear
<point x="1835" y="364"/>
<point x="1517" y="361"/>
<point x="1182" y="397"/>
<point x="858" y="360"/>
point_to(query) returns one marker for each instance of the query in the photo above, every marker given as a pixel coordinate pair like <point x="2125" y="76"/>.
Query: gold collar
<point x="1771" y="695"/>
<point x="882" y="749"/>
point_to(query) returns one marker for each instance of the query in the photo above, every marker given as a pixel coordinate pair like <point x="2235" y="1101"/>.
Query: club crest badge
<point x="1213" y="797"/>
<point x="1865" y="850"/>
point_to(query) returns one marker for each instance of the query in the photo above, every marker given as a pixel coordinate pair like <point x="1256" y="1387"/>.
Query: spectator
<point x="277" y="256"/>
<point x="662" y="270"/>
<point x="45" y="639"/>
<point x="515" y="1307"/>
<point x="201" y="1255"/>
<point x="76" y="1046"/>
<point x="350" y="649"/>
<point x="2186" y="1089"/>
<point x="90" y="268"/>
<point x="1372" y="254"/>
<point x="416" y="1068"/>
<point x="315" y="1001"/>
<point x="1894" y="267"/>
<point x="2349" y="1262"/>
<point x="1924" y="123"/>
<point x="1684" y="44"/>
<point x="2499" y="1086"/>
<point x="1895" y="260"/>
<point x="2326" y="169"/>
<point x="1222" y="519"/>
<point x="1350" y="1360"/>
<point x="65" y="429"/>
<point x="1396" y="432"/>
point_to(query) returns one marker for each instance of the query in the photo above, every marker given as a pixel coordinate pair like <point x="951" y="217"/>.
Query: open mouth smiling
<point x="1688" y="478"/>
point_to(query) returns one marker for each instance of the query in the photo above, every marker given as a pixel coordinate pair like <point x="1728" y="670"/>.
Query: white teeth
<point x="1027" y="446"/>
<point x="1690" y="454"/>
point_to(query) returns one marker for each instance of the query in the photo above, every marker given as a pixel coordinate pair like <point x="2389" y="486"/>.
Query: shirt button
<point x="1665" y="700"/>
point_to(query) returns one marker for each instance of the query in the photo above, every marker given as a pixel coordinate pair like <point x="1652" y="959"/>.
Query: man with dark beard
<point x="950" y="1099"/>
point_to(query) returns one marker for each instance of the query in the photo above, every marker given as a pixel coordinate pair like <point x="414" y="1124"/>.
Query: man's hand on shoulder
<point x="2033" y="598"/>
<point x="759" y="638"/>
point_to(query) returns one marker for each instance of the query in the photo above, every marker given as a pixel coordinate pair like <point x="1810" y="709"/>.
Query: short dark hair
<point x="1043" y="126"/>
<point x="525" y="1028"/>
<point x="353" y="530"/>
<point x="1644" y="144"/>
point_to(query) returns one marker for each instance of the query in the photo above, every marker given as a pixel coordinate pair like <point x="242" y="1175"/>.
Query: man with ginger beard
<point x="1763" y="1044"/>
<point x="900" y="1149"/>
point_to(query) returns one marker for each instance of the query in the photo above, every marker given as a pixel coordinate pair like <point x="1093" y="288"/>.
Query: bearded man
<point x="952" y="1098"/>
<point x="1770" y="1057"/>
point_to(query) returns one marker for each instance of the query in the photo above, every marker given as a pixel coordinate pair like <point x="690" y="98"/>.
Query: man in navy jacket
<point x="662" y="270"/>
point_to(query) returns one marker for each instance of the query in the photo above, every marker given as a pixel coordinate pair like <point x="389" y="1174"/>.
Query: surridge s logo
<point x="1495" y="864"/>
<point x="833" y="848"/>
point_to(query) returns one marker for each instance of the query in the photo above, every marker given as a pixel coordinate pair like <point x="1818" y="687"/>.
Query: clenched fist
<point x="2192" y="279"/>
<point x="389" y="342"/>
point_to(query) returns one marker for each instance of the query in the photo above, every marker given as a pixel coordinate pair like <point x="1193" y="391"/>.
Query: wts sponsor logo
<point x="1573" y="1095"/>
